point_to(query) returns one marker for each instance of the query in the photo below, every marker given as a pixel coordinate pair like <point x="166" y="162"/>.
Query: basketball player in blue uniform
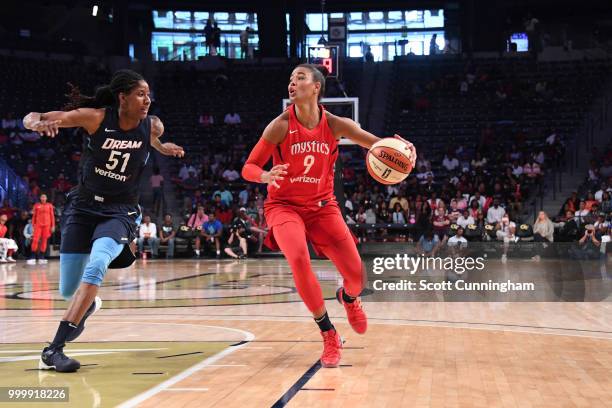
<point x="102" y="212"/>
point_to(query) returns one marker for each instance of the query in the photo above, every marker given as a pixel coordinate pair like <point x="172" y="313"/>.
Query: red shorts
<point x="323" y="225"/>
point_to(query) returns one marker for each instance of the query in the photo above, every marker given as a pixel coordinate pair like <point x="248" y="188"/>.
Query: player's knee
<point x="299" y="259"/>
<point x="95" y="271"/>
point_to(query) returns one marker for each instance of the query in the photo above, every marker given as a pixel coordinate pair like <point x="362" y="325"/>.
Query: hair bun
<point x="322" y="69"/>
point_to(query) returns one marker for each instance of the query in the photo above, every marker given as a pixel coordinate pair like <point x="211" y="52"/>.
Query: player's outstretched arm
<point x="345" y="127"/>
<point x="273" y="135"/>
<point x="167" y="149"/>
<point x="48" y="123"/>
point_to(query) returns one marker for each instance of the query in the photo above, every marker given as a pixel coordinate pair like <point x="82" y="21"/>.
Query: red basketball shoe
<point x="332" y="344"/>
<point x="354" y="313"/>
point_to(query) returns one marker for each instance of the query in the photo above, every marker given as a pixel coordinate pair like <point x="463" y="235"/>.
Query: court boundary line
<point x="298" y="385"/>
<point x="503" y="327"/>
<point x="134" y="401"/>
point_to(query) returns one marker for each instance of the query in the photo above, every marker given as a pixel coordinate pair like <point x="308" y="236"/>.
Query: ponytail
<point x="106" y="95"/>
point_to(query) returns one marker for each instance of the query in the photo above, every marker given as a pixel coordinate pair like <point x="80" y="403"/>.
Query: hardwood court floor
<point x="234" y="334"/>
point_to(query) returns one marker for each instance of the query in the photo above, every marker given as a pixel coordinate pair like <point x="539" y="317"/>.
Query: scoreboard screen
<point x="326" y="56"/>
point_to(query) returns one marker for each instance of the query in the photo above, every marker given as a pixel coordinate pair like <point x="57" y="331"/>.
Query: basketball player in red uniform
<point x="43" y="224"/>
<point x="301" y="206"/>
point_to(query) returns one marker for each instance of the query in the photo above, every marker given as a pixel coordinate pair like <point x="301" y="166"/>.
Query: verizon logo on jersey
<point x="121" y="144"/>
<point x="305" y="179"/>
<point x="110" y="174"/>
<point x="313" y="146"/>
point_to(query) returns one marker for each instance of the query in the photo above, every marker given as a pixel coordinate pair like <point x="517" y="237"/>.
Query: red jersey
<point x="42" y="215"/>
<point x="3" y="230"/>
<point x="311" y="154"/>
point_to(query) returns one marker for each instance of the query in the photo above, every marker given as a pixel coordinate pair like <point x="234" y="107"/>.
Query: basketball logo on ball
<point x="390" y="160"/>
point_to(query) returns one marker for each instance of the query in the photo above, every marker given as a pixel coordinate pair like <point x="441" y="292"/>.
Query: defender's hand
<point x="46" y="127"/>
<point x="173" y="150"/>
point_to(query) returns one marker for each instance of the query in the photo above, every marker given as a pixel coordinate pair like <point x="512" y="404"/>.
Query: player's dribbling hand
<point x="174" y="150"/>
<point x="276" y="173"/>
<point x="413" y="157"/>
<point x="46" y="127"/>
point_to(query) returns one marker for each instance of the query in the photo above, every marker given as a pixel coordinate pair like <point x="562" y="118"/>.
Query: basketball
<point x="389" y="160"/>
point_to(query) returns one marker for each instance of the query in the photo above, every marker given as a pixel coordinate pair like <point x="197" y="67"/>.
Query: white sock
<point x="197" y="251"/>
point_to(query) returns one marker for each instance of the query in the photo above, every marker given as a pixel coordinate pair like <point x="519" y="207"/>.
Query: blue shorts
<point x="85" y="220"/>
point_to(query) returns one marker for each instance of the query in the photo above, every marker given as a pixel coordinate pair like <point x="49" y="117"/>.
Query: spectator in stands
<point x="428" y="244"/>
<point x="9" y="122"/>
<point x="479" y="161"/>
<point x="243" y="196"/>
<point x="237" y="243"/>
<point x="400" y="199"/>
<point x="422" y="175"/>
<point x="601" y="221"/>
<point x="226" y="195"/>
<point x="590" y="201"/>
<point x="505" y="230"/>
<point x="517" y="169"/>
<point x="16" y="227"/>
<point x="465" y="219"/>
<point x="543" y="231"/>
<point x="7" y="209"/>
<point x="224" y="214"/>
<point x="232" y="118"/>
<point x="61" y="185"/>
<point x="230" y="174"/>
<point x="424" y="217"/>
<point x="569" y="228"/>
<point x="450" y="162"/>
<point x="185" y="170"/>
<point x="605" y="171"/>
<point x="454" y="211"/>
<point x="441" y="223"/>
<point x="167" y="233"/>
<point x="495" y="212"/>
<point x="457" y="241"/>
<point x="606" y="203"/>
<point x="480" y="200"/>
<point x="593" y="172"/>
<point x="602" y="189"/>
<point x="398" y="214"/>
<point x="191" y="183"/>
<point x="157" y="181"/>
<point x="571" y="204"/>
<point x="198" y="218"/>
<point x="212" y="230"/>
<point x="581" y="215"/>
<point x="206" y="119"/>
<point x="7" y="245"/>
<point x="588" y="245"/>
<point x="423" y="161"/>
<point x="148" y="235"/>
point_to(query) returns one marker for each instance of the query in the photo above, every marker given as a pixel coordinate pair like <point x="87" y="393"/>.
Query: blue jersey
<point x="113" y="159"/>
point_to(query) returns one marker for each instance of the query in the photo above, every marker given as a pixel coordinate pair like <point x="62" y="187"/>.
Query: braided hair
<point x="123" y="80"/>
